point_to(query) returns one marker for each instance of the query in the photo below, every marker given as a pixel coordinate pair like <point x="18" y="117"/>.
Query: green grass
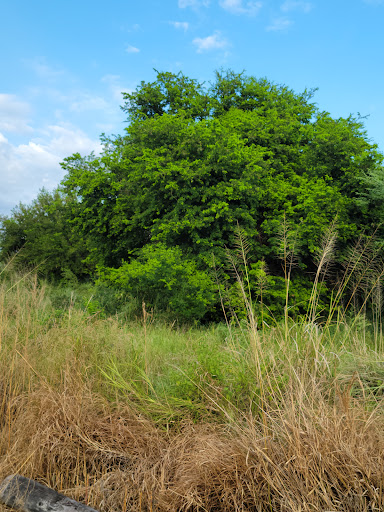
<point x="166" y="365"/>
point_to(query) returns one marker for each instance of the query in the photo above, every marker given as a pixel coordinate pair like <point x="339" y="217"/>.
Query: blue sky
<point x="65" y="64"/>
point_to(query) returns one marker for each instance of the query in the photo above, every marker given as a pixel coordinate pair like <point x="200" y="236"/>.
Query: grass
<point x="149" y="416"/>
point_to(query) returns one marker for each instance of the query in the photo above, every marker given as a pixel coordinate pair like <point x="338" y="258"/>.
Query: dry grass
<point x="306" y="455"/>
<point x="311" y="438"/>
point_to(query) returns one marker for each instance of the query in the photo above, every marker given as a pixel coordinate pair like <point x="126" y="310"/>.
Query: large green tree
<point x="194" y="161"/>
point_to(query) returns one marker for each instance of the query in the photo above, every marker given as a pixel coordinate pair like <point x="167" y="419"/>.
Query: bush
<point x="166" y="280"/>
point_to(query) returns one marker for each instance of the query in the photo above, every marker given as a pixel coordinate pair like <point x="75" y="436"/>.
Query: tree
<point x="40" y="235"/>
<point x="170" y="93"/>
<point x="194" y="161"/>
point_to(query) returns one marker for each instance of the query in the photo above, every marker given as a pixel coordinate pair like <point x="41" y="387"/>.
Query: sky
<point x="65" y="64"/>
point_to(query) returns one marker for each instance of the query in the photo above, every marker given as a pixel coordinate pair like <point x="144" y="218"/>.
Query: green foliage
<point x="185" y="178"/>
<point x="372" y="193"/>
<point x="171" y="93"/>
<point x="274" y="296"/>
<point x="41" y="236"/>
<point x="268" y="294"/>
<point x="164" y="279"/>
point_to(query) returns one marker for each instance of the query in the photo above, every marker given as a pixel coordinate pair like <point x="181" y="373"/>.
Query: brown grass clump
<point x="297" y="457"/>
<point x="73" y="441"/>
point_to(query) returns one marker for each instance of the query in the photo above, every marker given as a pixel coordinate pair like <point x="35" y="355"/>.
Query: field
<point x="153" y="416"/>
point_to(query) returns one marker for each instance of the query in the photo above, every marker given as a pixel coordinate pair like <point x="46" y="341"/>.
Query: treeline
<point x="240" y="164"/>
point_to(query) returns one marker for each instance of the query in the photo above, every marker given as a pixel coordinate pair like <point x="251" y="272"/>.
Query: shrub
<point x="166" y="280"/>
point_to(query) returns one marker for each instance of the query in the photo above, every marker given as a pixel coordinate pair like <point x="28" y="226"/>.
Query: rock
<point x="24" y="494"/>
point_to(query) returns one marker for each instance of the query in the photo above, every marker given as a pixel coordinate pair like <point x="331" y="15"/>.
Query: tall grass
<point x="154" y="417"/>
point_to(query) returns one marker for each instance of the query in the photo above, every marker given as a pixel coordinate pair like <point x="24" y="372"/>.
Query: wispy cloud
<point x="64" y="139"/>
<point x="14" y="114"/>
<point x="132" y="49"/>
<point x="115" y="86"/>
<point x="279" y="25"/>
<point x="130" y="28"/>
<point x="193" y="3"/>
<point x="45" y="71"/>
<point x="180" y="25"/>
<point x="55" y="117"/>
<point x="214" y="42"/>
<point x="239" y="7"/>
<point x="85" y="102"/>
<point x="296" y="5"/>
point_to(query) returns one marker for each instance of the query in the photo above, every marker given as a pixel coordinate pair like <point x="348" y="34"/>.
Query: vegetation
<point x="147" y="416"/>
<point x="193" y="163"/>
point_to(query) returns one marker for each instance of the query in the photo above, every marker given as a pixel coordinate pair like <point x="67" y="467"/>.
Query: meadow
<point x="148" y="415"/>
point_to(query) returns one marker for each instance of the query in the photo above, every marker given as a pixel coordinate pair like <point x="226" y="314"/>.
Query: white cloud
<point x="180" y="25"/>
<point x="105" y="127"/>
<point x="239" y="7"/>
<point x="132" y="49"/>
<point x="64" y="139"/>
<point x="213" y="42"/>
<point x="279" y="24"/>
<point x="53" y="119"/>
<point x="193" y="3"/>
<point x="293" y="5"/>
<point x="14" y="114"/>
<point x="26" y="168"/>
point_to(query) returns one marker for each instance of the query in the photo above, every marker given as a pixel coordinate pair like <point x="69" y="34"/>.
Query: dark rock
<point x="24" y="494"/>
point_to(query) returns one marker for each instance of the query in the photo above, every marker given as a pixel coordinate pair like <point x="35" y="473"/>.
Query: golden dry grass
<point x="306" y="455"/>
